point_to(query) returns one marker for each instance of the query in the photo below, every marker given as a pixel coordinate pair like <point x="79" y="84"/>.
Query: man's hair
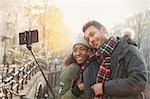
<point x="94" y="23"/>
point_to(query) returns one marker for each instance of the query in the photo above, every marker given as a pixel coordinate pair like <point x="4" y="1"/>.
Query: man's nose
<point x="91" y="40"/>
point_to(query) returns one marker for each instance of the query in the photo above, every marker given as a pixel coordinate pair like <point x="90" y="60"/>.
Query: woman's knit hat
<point x="80" y="40"/>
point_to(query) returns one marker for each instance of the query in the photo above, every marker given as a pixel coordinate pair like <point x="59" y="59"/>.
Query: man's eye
<point x="87" y="39"/>
<point x="83" y="49"/>
<point x="91" y="34"/>
<point x="74" y="50"/>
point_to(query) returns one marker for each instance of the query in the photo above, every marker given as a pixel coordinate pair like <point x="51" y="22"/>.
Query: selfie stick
<point x="30" y="48"/>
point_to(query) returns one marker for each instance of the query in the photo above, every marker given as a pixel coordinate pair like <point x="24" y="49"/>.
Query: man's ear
<point x="103" y="29"/>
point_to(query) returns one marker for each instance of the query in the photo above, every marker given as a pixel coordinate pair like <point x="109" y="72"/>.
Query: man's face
<point x="95" y="37"/>
<point x="80" y="53"/>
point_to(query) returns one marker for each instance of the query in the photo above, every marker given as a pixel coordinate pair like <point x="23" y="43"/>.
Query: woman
<point x="74" y="79"/>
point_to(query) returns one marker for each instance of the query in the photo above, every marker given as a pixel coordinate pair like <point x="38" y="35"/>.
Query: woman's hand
<point x="81" y="86"/>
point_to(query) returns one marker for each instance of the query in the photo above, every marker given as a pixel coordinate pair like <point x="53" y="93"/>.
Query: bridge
<point x="27" y="82"/>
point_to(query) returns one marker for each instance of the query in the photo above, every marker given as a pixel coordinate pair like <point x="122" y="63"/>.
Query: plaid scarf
<point x="103" y="54"/>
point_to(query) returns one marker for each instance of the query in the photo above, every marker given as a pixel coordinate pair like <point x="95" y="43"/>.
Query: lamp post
<point x="4" y="38"/>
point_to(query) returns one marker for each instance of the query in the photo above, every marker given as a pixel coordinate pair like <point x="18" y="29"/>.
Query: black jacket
<point x="89" y="77"/>
<point x="128" y="72"/>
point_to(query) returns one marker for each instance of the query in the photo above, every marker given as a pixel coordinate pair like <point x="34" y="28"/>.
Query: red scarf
<point x="103" y="54"/>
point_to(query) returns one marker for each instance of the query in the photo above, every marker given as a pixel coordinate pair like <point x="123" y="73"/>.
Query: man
<point x="122" y="70"/>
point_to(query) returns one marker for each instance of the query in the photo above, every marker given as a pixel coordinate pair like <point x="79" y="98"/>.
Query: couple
<point x="105" y="68"/>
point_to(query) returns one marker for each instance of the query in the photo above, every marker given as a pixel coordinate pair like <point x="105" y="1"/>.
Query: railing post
<point x="55" y="73"/>
<point x="29" y="71"/>
<point x="36" y="70"/>
<point x="11" y="95"/>
<point x="5" y="93"/>
<point x="29" y="75"/>
<point x="26" y="82"/>
<point x="13" y="71"/>
<point x="7" y="69"/>
<point x="2" y="77"/>
<point x="22" y="83"/>
<point x="17" y="91"/>
<point x="3" y="74"/>
<point x="32" y="72"/>
<point x="26" y="73"/>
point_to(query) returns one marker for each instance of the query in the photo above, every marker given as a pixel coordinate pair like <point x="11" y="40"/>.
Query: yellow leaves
<point x="51" y="26"/>
<point x="57" y="32"/>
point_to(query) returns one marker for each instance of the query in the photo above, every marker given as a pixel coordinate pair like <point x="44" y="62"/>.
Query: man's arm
<point x="136" y="78"/>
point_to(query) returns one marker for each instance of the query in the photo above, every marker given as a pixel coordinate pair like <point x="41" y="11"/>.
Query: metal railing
<point x="53" y="80"/>
<point x="14" y="81"/>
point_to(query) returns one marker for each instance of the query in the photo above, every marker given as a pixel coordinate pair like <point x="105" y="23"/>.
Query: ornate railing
<point x="13" y="82"/>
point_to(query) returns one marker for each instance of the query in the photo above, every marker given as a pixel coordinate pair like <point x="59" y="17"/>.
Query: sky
<point x="107" y="12"/>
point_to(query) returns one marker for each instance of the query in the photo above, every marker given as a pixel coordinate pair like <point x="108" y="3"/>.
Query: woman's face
<point x="80" y="53"/>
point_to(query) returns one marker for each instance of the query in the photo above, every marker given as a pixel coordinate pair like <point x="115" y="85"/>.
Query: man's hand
<point x="98" y="88"/>
<point x="81" y="86"/>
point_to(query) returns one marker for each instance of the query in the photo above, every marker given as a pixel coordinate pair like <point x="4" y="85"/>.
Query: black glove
<point x="76" y="91"/>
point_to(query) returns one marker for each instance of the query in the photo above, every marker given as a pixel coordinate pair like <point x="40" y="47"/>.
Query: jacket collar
<point x="123" y="47"/>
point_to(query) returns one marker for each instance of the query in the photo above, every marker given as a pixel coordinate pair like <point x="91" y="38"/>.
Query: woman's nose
<point x="78" y="52"/>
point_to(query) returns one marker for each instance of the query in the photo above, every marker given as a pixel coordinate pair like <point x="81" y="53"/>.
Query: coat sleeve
<point x="66" y="78"/>
<point x="136" y="79"/>
<point x="67" y="95"/>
